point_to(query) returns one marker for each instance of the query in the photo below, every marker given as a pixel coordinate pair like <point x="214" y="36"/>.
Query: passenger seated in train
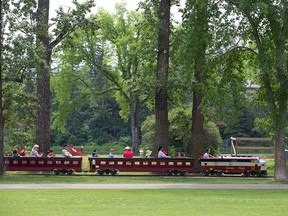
<point x="34" y="152"/>
<point x="15" y="153"/>
<point x="65" y="151"/>
<point x="180" y="154"/>
<point x="148" y="153"/>
<point x="207" y="153"/>
<point x="128" y="153"/>
<point x="161" y="153"/>
<point x="51" y="153"/>
<point x="95" y="153"/>
<point x="111" y="153"/>
<point x="21" y="151"/>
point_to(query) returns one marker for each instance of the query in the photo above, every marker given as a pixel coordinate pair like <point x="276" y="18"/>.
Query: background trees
<point x="267" y="27"/>
<point x="113" y="71"/>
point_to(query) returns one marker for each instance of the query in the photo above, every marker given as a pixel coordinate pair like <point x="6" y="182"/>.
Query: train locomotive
<point x="249" y="166"/>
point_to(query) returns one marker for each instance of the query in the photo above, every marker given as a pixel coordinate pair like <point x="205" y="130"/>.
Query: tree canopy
<point x="129" y="77"/>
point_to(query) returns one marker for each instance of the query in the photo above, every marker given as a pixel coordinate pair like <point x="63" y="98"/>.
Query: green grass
<point x="143" y="202"/>
<point x="140" y="202"/>
<point x="52" y="179"/>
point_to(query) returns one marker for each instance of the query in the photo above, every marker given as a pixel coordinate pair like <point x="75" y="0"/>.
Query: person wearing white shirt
<point x="207" y="153"/>
<point x="161" y="153"/>
<point x="65" y="151"/>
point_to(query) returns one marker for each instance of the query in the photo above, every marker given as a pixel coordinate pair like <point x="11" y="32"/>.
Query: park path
<point x="145" y="186"/>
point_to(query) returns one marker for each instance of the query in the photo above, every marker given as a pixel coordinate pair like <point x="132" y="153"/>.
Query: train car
<point x="170" y="166"/>
<point x="58" y="165"/>
<point x="233" y="165"/>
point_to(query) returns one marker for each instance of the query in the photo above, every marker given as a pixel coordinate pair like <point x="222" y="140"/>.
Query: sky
<point x="106" y="4"/>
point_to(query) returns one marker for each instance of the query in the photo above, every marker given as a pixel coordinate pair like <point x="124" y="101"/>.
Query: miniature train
<point x="233" y="165"/>
<point x="171" y="166"/>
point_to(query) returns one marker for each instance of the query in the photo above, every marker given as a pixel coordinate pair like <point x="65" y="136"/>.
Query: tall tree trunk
<point x="197" y="129"/>
<point x="1" y="95"/>
<point x="134" y="122"/>
<point x="280" y="161"/>
<point x="161" y="110"/>
<point x="43" y="77"/>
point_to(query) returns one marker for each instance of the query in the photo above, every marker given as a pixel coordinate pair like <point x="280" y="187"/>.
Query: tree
<point x="268" y="27"/>
<point x="66" y="24"/>
<point x="43" y="77"/>
<point x="195" y="43"/>
<point x="161" y="96"/>
<point x="120" y="51"/>
<point x="1" y="93"/>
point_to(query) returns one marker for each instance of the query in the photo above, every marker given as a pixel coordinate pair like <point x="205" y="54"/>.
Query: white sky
<point x="106" y="4"/>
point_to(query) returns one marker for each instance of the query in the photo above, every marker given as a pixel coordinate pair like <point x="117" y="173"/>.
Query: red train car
<point x="170" y="166"/>
<point x="233" y="165"/>
<point x="56" y="164"/>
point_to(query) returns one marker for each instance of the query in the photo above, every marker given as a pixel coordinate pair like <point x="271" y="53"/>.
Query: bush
<point x="180" y="132"/>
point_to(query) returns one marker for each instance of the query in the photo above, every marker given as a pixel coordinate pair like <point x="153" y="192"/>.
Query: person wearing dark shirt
<point x="95" y="153"/>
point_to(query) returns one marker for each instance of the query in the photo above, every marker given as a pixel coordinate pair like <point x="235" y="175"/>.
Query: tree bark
<point x="280" y="161"/>
<point x="1" y="96"/>
<point x="197" y="129"/>
<point x="43" y="77"/>
<point x="161" y="110"/>
<point x="134" y="122"/>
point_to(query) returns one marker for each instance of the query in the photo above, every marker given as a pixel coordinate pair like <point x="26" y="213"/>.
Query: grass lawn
<point x="152" y="202"/>
<point x="143" y="202"/>
<point x="52" y="179"/>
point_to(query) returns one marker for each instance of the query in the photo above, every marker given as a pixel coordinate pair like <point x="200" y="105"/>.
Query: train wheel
<point x="253" y="173"/>
<point x="212" y="172"/>
<point x="169" y="172"/>
<point x="70" y="172"/>
<point x="113" y="172"/>
<point x="63" y="171"/>
<point x="175" y="172"/>
<point x="107" y="172"/>
<point x="182" y="172"/>
<point x="100" y="172"/>
<point x="206" y="173"/>
<point x="56" y="172"/>
<point x="219" y="174"/>
<point x="247" y="174"/>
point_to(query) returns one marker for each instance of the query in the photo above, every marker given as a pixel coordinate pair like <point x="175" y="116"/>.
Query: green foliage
<point x="180" y="131"/>
<point x="148" y="128"/>
<point x="94" y="124"/>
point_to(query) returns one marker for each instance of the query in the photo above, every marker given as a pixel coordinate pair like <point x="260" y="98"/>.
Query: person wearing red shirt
<point x="128" y="153"/>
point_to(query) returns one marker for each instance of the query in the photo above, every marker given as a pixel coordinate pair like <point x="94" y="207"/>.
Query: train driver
<point x="207" y="153"/>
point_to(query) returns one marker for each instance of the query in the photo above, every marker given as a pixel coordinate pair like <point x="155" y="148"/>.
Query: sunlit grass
<point x="143" y="202"/>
